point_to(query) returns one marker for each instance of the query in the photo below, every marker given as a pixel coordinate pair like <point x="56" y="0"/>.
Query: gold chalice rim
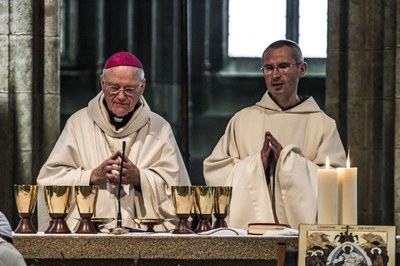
<point x="101" y="220"/>
<point x="150" y="220"/>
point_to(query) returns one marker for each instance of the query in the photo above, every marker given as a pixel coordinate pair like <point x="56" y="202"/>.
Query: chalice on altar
<point x="183" y="201"/>
<point x="204" y="198"/>
<point x="58" y="200"/>
<point x="86" y="198"/>
<point x="222" y="200"/>
<point x="25" y="198"/>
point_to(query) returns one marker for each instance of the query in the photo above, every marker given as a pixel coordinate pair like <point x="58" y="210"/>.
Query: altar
<point x="153" y="249"/>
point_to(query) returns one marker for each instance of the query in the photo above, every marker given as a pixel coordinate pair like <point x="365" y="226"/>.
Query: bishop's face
<point x="122" y="87"/>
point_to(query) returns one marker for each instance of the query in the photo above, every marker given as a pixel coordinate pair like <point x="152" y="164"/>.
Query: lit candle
<point x="347" y="194"/>
<point x="327" y="195"/>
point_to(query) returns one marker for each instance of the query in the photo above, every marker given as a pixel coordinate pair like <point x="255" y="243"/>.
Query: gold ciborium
<point x="204" y="198"/>
<point x="58" y="199"/>
<point x="183" y="201"/>
<point x="25" y="197"/>
<point x="222" y="200"/>
<point x="86" y="198"/>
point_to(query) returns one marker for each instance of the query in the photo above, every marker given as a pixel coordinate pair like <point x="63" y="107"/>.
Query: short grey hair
<point x="140" y="72"/>
<point x="297" y="54"/>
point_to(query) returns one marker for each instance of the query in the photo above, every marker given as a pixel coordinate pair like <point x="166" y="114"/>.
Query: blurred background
<point x="223" y="57"/>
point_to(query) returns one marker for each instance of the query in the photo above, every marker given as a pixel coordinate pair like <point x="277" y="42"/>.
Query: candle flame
<point x="327" y="163"/>
<point x="348" y="159"/>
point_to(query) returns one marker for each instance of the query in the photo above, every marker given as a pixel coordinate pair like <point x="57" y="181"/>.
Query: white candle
<point x="327" y="195"/>
<point x="347" y="194"/>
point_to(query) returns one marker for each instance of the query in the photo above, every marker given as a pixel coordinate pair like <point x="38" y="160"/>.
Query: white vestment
<point x="89" y="138"/>
<point x="9" y="255"/>
<point x="308" y="136"/>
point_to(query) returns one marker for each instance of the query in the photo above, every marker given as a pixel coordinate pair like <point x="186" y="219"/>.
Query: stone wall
<point x="29" y="91"/>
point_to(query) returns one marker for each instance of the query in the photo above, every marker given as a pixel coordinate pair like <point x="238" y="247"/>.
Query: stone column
<point x="7" y="128"/>
<point x="396" y="113"/>
<point x="29" y="91"/>
<point x="361" y="96"/>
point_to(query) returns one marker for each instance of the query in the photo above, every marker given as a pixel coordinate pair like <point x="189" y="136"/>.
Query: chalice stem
<point x="25" y="225"/>
<point x="183" y="226"/>
<point x="86" y="226"/>
<point x="58" y="225"/>
<point x="204" y="224"/>
<point x="220" y="221"/>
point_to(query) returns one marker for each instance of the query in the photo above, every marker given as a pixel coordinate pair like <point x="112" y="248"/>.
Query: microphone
<point x="119" y="216"/>
<point x="119" y="229"/>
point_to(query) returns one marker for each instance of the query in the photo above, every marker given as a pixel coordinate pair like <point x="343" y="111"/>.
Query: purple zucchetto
<point x="123" y="59"/>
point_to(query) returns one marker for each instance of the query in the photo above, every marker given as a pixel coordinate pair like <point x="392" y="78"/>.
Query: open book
<point x="261" y="228"/>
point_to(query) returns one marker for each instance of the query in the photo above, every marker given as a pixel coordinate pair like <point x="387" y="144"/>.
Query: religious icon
<point x="346" y="245"/>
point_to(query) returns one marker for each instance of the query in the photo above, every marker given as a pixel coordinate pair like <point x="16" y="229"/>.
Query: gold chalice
<point x="204" y="198"/>
<point x="183" y="201"/>
<point x="25" y="197"/>
<point x="86" y="198"/>
<point x="222" y="200"/>
<point x="58" y="199"/>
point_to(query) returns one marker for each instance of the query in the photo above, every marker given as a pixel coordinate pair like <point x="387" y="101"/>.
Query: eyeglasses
<point x="128" y="91"/>
<point x="281" y="68"/>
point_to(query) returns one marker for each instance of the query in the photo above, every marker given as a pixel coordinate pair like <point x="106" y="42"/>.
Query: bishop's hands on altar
<point x="270" y="152"/>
